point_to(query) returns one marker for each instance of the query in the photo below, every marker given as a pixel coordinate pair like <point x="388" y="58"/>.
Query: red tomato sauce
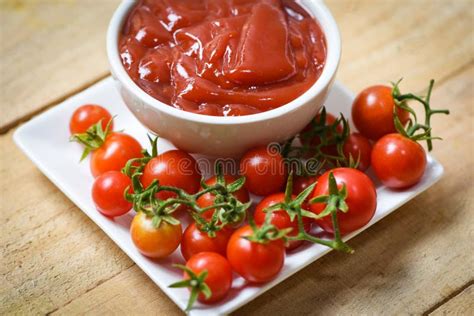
<point x="222" y="57"/>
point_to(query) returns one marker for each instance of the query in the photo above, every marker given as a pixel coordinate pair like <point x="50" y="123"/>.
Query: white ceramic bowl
<point x="225" y="136"/>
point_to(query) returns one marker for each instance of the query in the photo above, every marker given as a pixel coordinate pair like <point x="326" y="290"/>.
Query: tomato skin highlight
<point x="280" y="218"/>
<point x="87" y="115"/>
<point x="361" y="200"/>
<point x="173" y="168"/>
<point x="398" y="162"/>
<point x="154" y="242"/>
<point x="114" y="153"/>
<point x="359" y="147"/>
<point x="108" y="193"/>
<point x="207" y="199"/>
<point x="195" y="241"/>
<point x="372" y="112"/>
<point x="265" y="172"/>
<point x="219" y="274"/>
<point x="255" y="262"/>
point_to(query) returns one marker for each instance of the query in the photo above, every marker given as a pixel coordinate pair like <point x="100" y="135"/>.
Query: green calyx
<point x="93" y="138"/>
<point x="266" y="232"/>
<point x="329" y="136"/>
<point x="145" y="200"/>
<point x="136" y="165"/>
<point x="335" y="202"/>
<point x="196" y="283"/>
<point x="413" y="129"/>
<point x="293" y="207"/>
<point x="227" y="208"/>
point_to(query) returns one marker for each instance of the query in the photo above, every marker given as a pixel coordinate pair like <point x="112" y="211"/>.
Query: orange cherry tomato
<point x="154" y="242"/>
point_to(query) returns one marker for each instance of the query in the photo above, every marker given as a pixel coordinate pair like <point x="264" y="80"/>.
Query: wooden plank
<point x="407" y="258"/>
<point x="148" y="298"/>
<point x="55" y="48"/>
<point x="51" y="252"/>
<point x="390" y="39"/>
<point x="49" y="49"/>
<point x="461" y="304"/>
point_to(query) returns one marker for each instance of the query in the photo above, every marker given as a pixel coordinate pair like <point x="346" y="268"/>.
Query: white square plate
<point x="44" y="139"/>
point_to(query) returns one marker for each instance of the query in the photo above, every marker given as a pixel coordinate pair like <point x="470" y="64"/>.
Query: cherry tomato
<point x="195" y="241"/>
<point x="361" y="200"/>
<point x="114" y="153"/>
<point x="398" y="162"/>
<point x="108" y="193"/>
<point x="372" y="112"/>
<point x="207" y="199"/>
<point x="255" y="262"/>
<point x="300" y="183"/>
<point x="359" y="147"/>
<point x="173" y="168"/>
<point x="154" y="242"/>
<point x="280" y="218"/>
<point x="264" y="170"/>
<point x="87" y="115"/>
<point x="219" y="274"/>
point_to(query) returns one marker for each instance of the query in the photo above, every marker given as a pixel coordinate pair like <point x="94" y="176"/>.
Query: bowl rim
<point x="317" y="9"/>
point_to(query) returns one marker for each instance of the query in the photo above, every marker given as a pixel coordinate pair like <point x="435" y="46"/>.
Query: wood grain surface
<point x="50" y="49"/>
<point x="418" y="260"/>
<point x="461" y="304"/>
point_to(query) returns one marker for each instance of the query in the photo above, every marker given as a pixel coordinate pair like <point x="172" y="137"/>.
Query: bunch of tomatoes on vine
<point x="315" y="179"/>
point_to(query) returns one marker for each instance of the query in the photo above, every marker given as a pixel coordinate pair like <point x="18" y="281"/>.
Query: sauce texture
<point x="222" y="57"/>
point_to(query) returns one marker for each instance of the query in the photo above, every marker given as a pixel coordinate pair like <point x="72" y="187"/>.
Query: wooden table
<point x="419" y="260"/>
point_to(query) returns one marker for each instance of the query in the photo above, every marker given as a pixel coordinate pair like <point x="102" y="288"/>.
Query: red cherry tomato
<point x="114" y="153"/>
<point x="195" y="241"/>
<point x="300" y="183"/>
<point x="154" y="242"/>
<point x="398" y="162"/>
<point x="372" y="112"/>
<point x="280" y="218"/>
<point x="87" y="115"/>
<point x="108" y="193"/>
<point x="264" y="170"/>
<point x="255" y="262"/>
<point x="219" y="274"/>
<point x="361" y="200"/>
<point x="359" y="147"/>
<point x="207" y="199"/>
<point x="173" y="168"/>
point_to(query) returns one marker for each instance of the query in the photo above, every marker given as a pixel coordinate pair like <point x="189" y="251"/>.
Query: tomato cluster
<point x="313" y="181"/>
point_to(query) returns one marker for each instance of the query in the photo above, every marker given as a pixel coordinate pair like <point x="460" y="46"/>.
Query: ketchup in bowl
<point x="222" y="57"/>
